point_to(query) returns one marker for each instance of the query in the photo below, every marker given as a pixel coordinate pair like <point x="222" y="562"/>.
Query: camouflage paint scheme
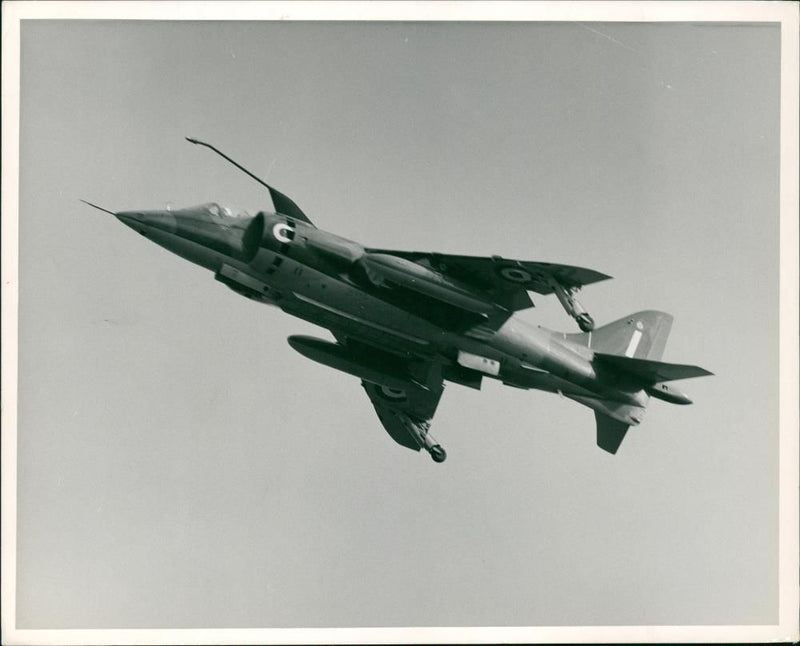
<point x="406" y="322"/>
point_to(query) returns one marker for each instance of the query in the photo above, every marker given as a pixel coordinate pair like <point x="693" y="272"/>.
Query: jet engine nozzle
<point x="251" y="240"/>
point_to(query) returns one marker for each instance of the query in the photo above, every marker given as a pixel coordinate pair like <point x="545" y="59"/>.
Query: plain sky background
<point x="181" y="466"/>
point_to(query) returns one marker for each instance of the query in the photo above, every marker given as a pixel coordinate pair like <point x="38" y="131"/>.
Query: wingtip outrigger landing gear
<point x="585" y="322"/>
<point x="438" y="453"/>
<point x="566" y="296"/>
<point x="426" y="441"/>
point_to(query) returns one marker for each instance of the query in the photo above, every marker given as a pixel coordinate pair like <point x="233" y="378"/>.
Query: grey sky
<point x="181" y="466"/>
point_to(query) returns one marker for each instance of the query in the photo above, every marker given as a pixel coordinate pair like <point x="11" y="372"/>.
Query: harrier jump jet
<point x="407" y="321"/>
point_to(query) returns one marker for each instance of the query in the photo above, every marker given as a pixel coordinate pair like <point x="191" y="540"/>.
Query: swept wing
<point x="406" y="414"/>
<point x="505" y="281"/>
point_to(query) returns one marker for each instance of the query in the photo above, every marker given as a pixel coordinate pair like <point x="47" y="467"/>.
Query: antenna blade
<point x="286" y="205"/>
<point x="282" y="203"/>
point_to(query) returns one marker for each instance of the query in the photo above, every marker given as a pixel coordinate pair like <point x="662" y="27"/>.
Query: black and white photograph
<point x="415" y="322"/>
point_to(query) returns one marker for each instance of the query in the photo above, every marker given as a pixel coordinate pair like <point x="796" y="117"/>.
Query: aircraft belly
<point x="533" y="379"/>
<point x="335" y="304"/>
<point x="517" y="354"/>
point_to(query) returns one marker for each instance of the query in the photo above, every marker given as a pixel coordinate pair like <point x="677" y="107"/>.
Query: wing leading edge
<point x="507" y="281"/>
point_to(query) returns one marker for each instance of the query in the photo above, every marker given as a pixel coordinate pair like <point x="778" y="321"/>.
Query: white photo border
<point x="725" y="12"/>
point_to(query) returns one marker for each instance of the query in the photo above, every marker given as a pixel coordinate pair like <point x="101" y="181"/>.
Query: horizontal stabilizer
<point x="610" y="432"/>
<point x="650" y="371"/>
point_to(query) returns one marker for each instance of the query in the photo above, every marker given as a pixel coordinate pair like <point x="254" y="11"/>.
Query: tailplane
<point x="651" y="372"/>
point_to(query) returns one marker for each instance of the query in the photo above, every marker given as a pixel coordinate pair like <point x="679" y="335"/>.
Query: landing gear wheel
<point x="438" y="453"/>
<point x="585" y="322"/>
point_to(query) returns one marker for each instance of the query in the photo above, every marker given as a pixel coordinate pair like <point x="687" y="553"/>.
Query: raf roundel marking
<point x="282" y="232"/>
<point x="393" y="394"/>
<point x="515" y="274"/>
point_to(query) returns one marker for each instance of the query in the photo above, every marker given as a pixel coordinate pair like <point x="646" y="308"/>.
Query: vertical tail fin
<point x="642" y="335"/>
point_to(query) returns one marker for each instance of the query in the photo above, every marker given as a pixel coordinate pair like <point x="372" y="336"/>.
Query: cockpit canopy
<point x="217" y="211"/>
<point x="229" y="231"/>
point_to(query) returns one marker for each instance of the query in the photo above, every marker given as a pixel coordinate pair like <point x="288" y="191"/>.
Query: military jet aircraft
<point x="407" y="321"/>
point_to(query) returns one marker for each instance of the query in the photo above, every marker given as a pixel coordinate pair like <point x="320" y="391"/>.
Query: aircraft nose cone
<point x="141" y="221"/>
<point x="129" y="218"/>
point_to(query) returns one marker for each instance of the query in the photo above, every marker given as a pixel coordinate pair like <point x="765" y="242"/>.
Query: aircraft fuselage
<point x="323" y="278"/>
<point x="406" y="321"/>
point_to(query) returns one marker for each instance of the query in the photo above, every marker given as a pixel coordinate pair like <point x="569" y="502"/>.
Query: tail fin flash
<point x="642" y="335"/>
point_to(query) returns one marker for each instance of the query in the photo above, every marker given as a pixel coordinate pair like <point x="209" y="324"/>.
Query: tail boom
<point x="626" y="357"/>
